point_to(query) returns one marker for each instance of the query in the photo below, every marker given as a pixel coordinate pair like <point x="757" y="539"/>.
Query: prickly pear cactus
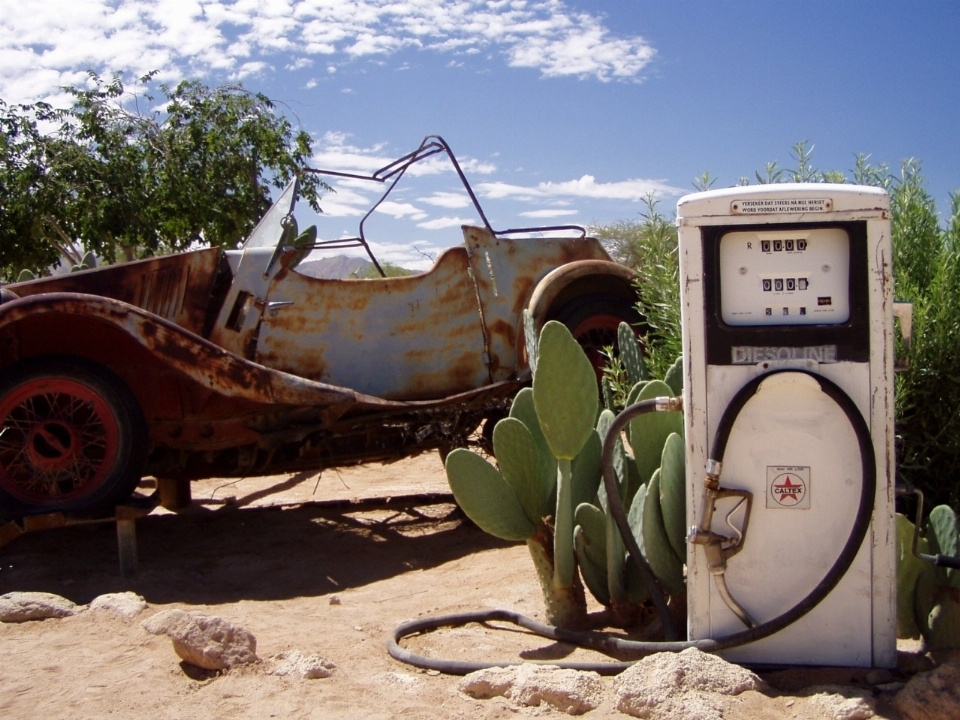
<point x="651" y="485"/>
<point x="928" y="597"/>
<point x="548" y="453"/>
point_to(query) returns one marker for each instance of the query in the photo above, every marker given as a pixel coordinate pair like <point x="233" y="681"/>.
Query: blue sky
<point x="560" y="111"/>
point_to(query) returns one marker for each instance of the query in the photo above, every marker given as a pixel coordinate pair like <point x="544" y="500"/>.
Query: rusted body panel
<point x="241" y="365"/>
<point x="506" y="272"/>
<point x="415" y="337"/>
<point x="178" y="288"/>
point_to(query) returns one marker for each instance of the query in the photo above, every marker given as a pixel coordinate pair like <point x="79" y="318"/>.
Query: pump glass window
<point x="785" y="277"/>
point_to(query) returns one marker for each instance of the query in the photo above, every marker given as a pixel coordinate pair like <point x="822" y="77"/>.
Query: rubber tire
<point x="108" y="411"/>
<point x="594" y="320"/>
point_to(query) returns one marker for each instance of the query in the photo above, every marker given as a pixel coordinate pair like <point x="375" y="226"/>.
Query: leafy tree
<point x="108" y="176"/>
<point x="649" y="246"/>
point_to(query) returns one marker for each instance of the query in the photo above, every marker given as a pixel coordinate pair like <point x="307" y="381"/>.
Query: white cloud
<point x="449" y="200"/>
<point x="585" y="187"/>
<point x="548" y="213"/>
<point x="45" y="45"/>
<point x="401" y="210"/>
<point x="445" y="222"/>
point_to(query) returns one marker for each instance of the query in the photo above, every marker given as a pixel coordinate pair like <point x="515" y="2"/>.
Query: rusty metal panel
<point x="176" y="287"/>
<point x="506" y="271"/>
<point x="409" y="338"/>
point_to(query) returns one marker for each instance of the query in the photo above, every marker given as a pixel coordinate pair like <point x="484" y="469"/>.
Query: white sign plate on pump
<point x="792" y="278"/>
<point x="799" y="277"/>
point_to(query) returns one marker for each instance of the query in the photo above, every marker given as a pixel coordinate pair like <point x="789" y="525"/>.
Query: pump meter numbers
<point x="788" y="487"/>
<point x="784" y="277"/>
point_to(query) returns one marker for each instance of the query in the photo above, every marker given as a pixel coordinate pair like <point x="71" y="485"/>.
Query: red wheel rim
<point x="594" y="334"/>
<point x="59" y="441"/>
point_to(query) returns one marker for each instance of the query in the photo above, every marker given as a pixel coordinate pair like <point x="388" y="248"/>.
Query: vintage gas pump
<point x="787" y="310"/>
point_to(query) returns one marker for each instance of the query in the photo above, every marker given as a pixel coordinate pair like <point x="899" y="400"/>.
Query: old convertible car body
<point x="219" y="363"/>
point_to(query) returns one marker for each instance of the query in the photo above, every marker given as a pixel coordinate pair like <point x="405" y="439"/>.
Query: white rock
<point x="309" y="667"/>
<point x="836" y="702"/>
<point x="933" y="695"/>
<point x="206" y="641"/>
<point x="164" y="621"/>
<point x="126" y="604"/>
<point x="409" y="683"/>
<point x="685" y="684"/>
<point x="18" y="607"/>
<point x="530" y="685"/>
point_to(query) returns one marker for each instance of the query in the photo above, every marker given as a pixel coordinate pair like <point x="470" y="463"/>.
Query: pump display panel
<point x="785" y="277"/>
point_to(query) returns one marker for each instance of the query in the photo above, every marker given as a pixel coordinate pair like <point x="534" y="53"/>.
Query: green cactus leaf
<point x="594" y="573"/>
<point x="89" y="260"/>
<point x="656" y="547"/>
<point x="945" y="534"/>
<point x="649" y="432"/>
<point x="637" y="590"/>
<point x="672" y="493"/>
<point x="530" y="340"/>
<point x="519" y="460"/>
<point x="564" y="391"/>
<point x="523" y="410"/>
<point x="486" y="497"/>
<point x="25" y="276"/>
<point x="944" y="624"/>
<point x="909" y="570"/>
<point x="594" y="523"/>
<point x="563" y="560"/>
<point x="616" y="555"/>
<point x="628" y="478"/>
<point x="586" y="468"/>
<point x="674" y="377"/>
<point x="631" y="353"/>
<point x="635" y="392"/>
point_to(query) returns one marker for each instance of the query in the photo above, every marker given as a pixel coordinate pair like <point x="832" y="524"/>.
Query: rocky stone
<point x="16" y="607"/>
<point x="840" y="702"/>
<point x="308" y="667"/>
<point x="688" y="684"/>
<point x="126" y="604"/>
<point x="206" y="641"/>
<point x="571" y="691"/>
<point x="933" y="695"/>
<point x="163" y="622"/>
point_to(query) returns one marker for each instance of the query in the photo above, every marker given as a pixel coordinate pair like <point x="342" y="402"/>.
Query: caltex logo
<point x="788" y="490"/>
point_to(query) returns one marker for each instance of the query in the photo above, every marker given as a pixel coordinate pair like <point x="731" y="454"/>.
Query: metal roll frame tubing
<point x="605" y="642"/>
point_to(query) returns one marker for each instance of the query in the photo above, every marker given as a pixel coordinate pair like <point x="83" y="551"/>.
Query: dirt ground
<point x="276" y="557"/>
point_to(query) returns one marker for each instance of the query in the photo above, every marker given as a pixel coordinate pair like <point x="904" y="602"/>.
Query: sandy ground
<point x="276" y="557"/>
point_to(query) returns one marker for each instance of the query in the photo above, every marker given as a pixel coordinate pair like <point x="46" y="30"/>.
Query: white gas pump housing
<point x="792" y="282"/>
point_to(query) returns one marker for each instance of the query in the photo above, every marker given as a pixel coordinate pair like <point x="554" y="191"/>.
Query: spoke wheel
<point x="72" y="438"/>
<point x="594" y="321"/>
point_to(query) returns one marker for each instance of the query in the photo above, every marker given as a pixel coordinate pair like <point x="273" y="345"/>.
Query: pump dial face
<point x="785" y="277"/>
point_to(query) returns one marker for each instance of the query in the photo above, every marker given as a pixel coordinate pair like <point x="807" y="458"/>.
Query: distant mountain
<point x="333" y="268"/>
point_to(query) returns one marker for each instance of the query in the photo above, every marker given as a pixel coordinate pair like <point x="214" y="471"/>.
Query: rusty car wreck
<point x="215" y="363"/>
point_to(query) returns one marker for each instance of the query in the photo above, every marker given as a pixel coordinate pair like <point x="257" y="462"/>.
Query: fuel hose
<point x="613" y="644"/>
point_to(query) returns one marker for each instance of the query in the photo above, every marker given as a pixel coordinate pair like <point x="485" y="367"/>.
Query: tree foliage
<point x="122" y="174"/>
<point x="649" y="246"/>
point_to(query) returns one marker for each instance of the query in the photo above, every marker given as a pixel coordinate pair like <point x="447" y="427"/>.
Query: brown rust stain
<point x="175" y="287"/>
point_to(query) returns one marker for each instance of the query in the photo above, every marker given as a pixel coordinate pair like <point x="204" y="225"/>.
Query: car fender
<point x="199" y="360"/>
<point x="578" y="278"/>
